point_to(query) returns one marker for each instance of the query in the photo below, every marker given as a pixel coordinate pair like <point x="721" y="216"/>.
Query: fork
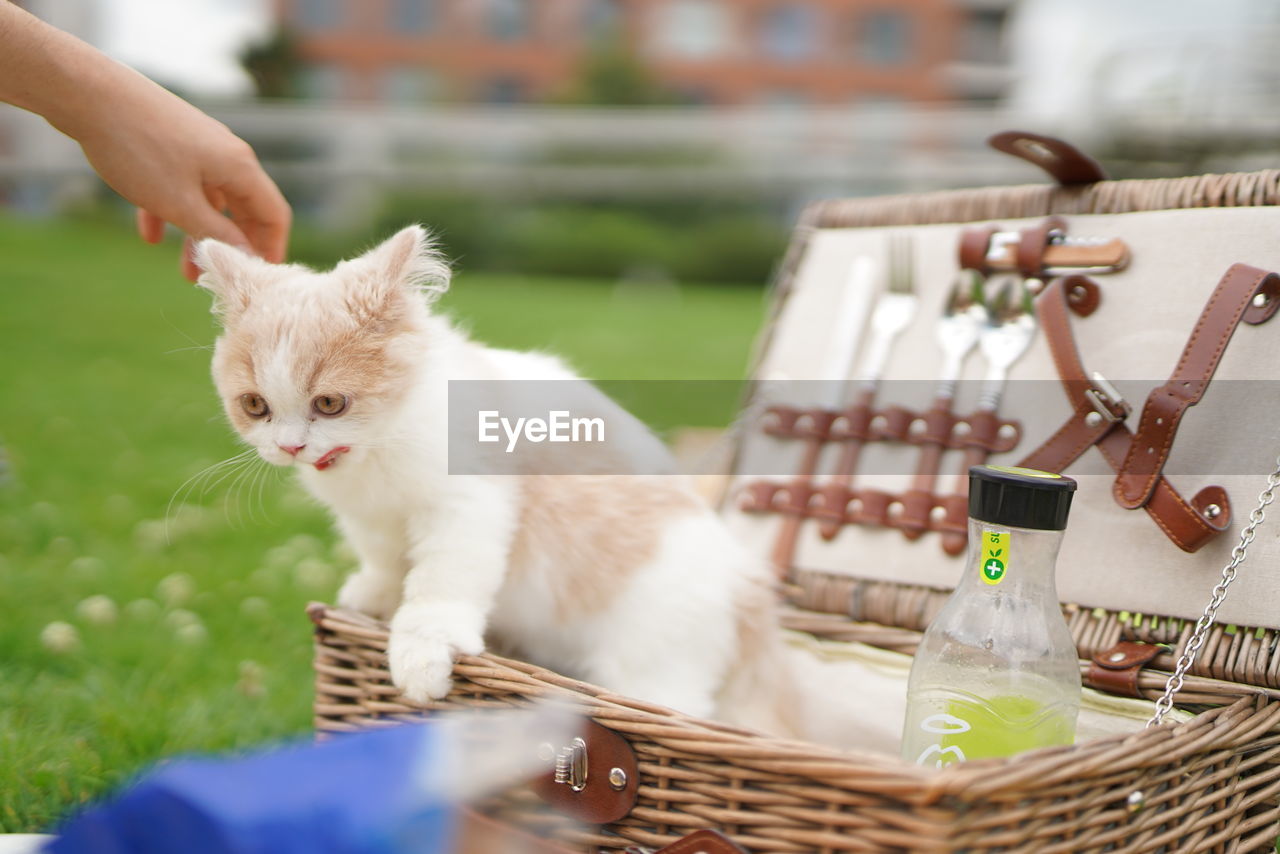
<point x="963" y="320"/>
<point x="1009" y="331"/>
<point x="893" y="312"/>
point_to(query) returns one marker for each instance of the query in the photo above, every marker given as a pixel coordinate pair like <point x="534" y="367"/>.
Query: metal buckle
<point x="1107" y="402"/>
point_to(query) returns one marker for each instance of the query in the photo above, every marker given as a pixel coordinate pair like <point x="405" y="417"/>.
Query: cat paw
<point x="369" y="593"/>
<point x="424" y="640"/>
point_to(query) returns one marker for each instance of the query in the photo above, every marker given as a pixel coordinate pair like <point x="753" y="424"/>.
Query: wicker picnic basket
<point x="1210" y="783"/>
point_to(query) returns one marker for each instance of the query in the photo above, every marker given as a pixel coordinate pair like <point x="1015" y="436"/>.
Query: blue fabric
<point x="355" y="794"/>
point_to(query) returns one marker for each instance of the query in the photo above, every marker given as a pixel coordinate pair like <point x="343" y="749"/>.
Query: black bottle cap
<point x="1020" y="498"/>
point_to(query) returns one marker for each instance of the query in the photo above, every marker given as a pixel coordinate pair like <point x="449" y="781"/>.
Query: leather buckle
<point x="1107" y="402"/>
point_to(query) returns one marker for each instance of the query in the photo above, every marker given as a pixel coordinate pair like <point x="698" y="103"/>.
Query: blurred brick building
<point x="716" y="52"/>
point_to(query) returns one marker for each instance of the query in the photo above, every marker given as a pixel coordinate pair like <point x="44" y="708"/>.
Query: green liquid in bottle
<point x="1001" y="726"/>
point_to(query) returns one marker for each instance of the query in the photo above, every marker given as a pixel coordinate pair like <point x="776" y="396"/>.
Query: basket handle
<point x="1065" y="163"/>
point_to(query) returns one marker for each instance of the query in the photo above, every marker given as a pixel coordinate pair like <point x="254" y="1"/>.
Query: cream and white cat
<point x="629" y="582"/>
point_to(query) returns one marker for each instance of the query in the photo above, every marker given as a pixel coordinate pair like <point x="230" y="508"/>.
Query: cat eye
<point x="330" y="404"/>
<point x="254" y="405"/>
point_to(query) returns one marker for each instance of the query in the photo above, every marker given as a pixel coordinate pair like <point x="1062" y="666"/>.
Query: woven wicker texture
<point x="1241" y="189"/>
<point x="1212" y="784"/>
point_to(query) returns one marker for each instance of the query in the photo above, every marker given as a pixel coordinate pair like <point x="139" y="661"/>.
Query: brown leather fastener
<point x="1097" y="419"/>
<point x="598" y="802"/>
<point x="1032" y="243"/>
<point x="1116" y="670"/>
<point x="1065" y="163"/>
<point x="704" y="841"/>
<point x="1166" y="405"/>
<point x="975" y="243"/>
<point x="990" y="433"/>
<point x="893" y="423"/>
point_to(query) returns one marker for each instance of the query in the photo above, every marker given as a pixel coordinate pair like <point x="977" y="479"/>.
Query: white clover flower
<point x="45" y="511"/>
<point x="151" y="535"/>
<point x="120" y="506"/>
<point x="180" y="617"/>
<point x="100" y="610"/>
<point x="192" y="633"/>
<point x="176" y="589"/>
<point x="60" y="637"/>
<point x="142" y="609"/>
<point x="305" y="544"/>
<point x="254" y="606"/>
<point x="87" y="566"/>
<point x="343" y="553"/>
<point x="252" y="681"/>
<point x="313" y="574"/>
<point x="264" y="578"/>
<point x="280" y="556"/>
<point x="61" y="546"/>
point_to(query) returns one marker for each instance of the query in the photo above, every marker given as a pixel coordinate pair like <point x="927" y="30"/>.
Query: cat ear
<point x="230" y="274"/>
<point x="407" y="262"/>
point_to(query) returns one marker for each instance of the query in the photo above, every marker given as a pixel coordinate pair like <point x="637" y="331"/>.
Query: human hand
<point x="183" y="167"/>
<point x="174" y="162"/>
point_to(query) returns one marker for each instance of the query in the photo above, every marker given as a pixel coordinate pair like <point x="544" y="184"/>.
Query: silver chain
<point x="1206" y="621"/>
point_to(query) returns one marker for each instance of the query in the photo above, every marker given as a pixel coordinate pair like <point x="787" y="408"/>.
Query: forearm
<point x="65" y="80"/>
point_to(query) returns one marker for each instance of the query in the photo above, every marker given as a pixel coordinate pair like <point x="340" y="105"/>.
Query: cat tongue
<point x="330" y="458"/>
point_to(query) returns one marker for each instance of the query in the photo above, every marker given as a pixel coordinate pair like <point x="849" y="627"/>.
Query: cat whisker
<point x="188" y="487"/>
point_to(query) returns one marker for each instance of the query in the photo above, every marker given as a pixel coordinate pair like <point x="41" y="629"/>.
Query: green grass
<point x="106" y="409"/>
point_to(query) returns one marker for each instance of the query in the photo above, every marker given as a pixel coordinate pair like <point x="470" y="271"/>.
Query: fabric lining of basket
<point x="1212" y="783"/>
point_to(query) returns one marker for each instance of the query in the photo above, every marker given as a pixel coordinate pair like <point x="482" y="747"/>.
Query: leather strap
<point x="1065" y="163"/>
<point x="1032" y="242"/>
<point x="1231" y="302"/>
<point x="918" y="502"/>
<point x="974" y="245"/>
<point x="599" y="801"/>
<point x="698" y="842"/>
<point x="1098" y="420"/>
<point x="1116" y="670"/>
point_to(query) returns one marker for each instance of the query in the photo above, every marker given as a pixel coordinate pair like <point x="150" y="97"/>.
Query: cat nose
<point x="291" y="450"/>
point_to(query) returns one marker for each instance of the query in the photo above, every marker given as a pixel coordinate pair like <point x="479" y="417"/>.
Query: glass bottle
<point x="996" y="672"/>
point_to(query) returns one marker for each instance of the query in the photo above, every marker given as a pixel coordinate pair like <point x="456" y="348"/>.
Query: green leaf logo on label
<point x="993" y="561"/>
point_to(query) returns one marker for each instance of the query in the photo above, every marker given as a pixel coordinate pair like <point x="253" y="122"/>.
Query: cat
<point x="630" y="582"/>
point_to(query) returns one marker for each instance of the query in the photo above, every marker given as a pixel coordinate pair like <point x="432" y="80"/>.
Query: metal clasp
<point x="571" y="765"/>
<point x="1106" y="400"/>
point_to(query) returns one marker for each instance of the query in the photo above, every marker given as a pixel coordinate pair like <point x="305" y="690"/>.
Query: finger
<point x="150" y="226"/>
<point x="256" y="203"/>
<point x="188" y="263"/>
<point x="200" y="220"/>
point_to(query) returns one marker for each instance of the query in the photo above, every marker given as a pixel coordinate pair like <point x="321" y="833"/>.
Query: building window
<point x="318" y="14"/>
<point x="322" y="82"/>
<point x="692" y="29"/>
<point x="508" y="20"/>
<point x="407" y="84"/>
<point x="790" y="32"/>
<point x="884" y="38"/>
<point x="603" y="20"/>
<point x="411" y="16"/>
<point x="983" y="37"/>
<point x="504" y="89"/>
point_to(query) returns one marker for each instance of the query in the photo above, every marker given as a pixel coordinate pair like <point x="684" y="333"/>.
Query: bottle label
<point x="993" y="561"/>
